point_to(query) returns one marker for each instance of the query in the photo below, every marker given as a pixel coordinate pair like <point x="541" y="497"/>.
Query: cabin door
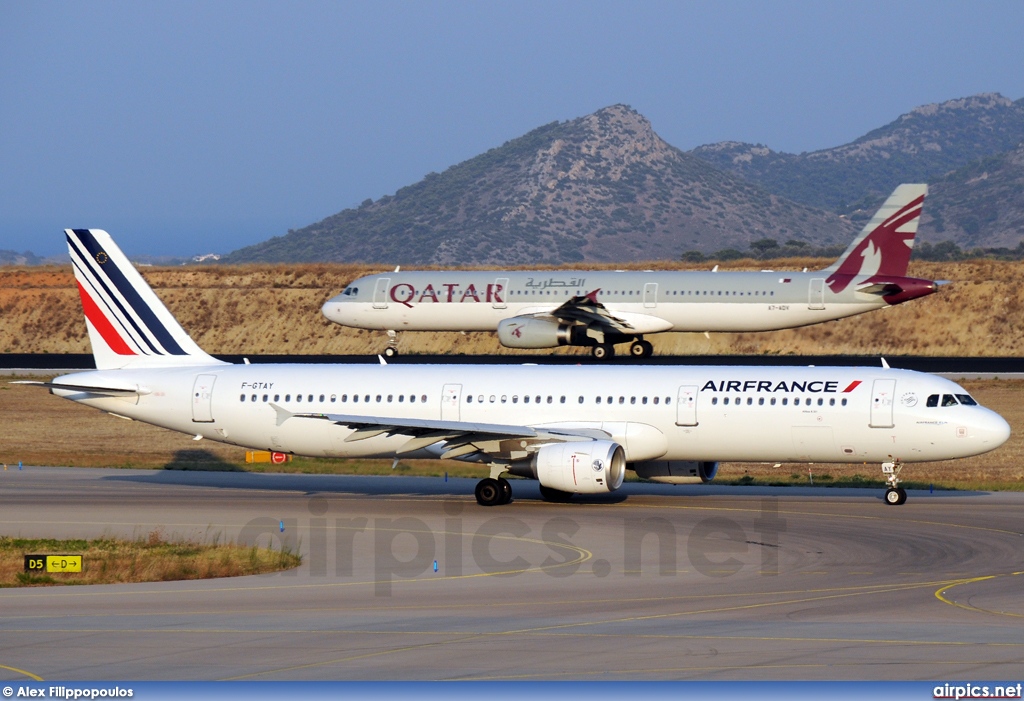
<point x="451" y="402"/>
<point x="816" y="294"/>
<point x="882" y="393"/>
<point x="380" y="293"/>
<point x="202" y="399"/>
<point x="651" y="295"/>
<point x="686" y="406"/>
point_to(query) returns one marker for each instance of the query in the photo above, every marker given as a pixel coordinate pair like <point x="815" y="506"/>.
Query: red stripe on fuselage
<point x="853" y="386"/>
<point x="100" y="322"/>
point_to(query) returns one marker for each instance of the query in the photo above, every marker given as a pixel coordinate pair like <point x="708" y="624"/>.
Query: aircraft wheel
<point x="894" y="496"/>
<point x="555" y="495"/>
<point x="489" y="492"/>
<point x="903" y="495"/>
<point x="390" y="352"/>
<point x="603" y="351"/>
<point x="641" y="349"/>
<point x="506" y="490"/>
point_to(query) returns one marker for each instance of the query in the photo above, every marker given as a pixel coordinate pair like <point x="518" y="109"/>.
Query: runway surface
<point x="652" y="582"/>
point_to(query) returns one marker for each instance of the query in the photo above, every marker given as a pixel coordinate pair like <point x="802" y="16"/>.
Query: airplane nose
<point x="997" y="430"/>
<point x="332" y="309"/>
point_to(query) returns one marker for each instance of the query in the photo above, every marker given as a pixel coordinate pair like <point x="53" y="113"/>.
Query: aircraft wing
<point x="585" y="310"/>
<point x="462" y="439"/>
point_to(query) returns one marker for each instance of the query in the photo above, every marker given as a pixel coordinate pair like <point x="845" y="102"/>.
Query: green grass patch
<point x="152" y="558"/>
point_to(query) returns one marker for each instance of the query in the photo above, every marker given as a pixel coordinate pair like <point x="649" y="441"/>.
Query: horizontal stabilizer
<point x="123" y="391"/>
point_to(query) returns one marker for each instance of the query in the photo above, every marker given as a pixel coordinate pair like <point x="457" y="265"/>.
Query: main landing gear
<point x="895" y="494"/>
<point x="494" y="490"/>
<point x="638" y="349"/>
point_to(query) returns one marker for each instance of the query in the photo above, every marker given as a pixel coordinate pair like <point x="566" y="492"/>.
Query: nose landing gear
<point x="895" y="494"/>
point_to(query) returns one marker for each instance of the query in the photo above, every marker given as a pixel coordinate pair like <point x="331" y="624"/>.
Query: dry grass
<point x="149" y="559"/>
<point x="40" y="429"/>
<point x="276" y="310"/>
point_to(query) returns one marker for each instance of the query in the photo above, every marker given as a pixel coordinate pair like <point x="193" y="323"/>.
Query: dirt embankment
<point x="276" y="310"/>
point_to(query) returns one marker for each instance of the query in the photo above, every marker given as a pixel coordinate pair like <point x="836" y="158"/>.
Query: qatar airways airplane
<point x="574" y="429"/>
<point x="601" y="308"/>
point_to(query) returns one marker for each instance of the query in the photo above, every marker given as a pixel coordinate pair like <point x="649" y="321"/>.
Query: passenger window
<point x="750" y="400"/>
<point x="480" y="399"/>
<point x="469" y="399"/>
<point x="241" y="397"/>
<point x="344" y="398"/>
<point x="581" y="399"/>
<point x="844" y="401"/>
<point x="390" y="398"/>
<point x="725" y="401"/>
<point x="321" y="398"/>
<point x="820" y="401"/>
<point x="949" y="400"/>
<point x="773" y="401"/>
<point x="504" y="398"/>
<point x="598" y="400"/>
<point x="643" y="400"/>
<point x="412" y="398"/>
<point x="796" y="401"/>
<point x="760" y="401"/>
<point x="714" y="400"/>
<point x="277" y="397"/>
<point x="785" y="401"/>
<point x="515" y="398"/>
<point x="254" y="397"/>
<point x="656" y="399"/>
<point x="622" y="400"/>
<point x="668" y="400"/>
<point x="298" y="397"/>
<point x="526" y="399"/>
<point x="632" y="400"/>
<point x="334" y="398"/>
<point x="265" y="398"/>
<point x="492" y="399"/>
<point x="966" y="400"/>
<point x="401" y="398"/>
<point x="287" y="397"/>
<point x="832" y="401"/>
<point x="562" y="399"/>
<point x="310" y="398"/>
<point x="423" y="399"/>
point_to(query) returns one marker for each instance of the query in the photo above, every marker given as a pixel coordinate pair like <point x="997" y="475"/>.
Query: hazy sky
<point x="194" y="127"/>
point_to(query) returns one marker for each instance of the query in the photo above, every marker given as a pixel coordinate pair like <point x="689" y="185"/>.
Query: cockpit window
<point x="949" y="400"/>
<point x="933" y="400"/>
<point x="966" y="400"/>
<point x="350" y="291"/>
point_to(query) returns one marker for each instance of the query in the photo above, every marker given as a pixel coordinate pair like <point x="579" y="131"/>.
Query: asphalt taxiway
<point x="408" y="578"/>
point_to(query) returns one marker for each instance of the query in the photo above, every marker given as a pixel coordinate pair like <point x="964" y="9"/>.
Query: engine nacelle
<point x="581" y="467"/>
<point x="676" y="471"/>
<point x="529" y="332"/>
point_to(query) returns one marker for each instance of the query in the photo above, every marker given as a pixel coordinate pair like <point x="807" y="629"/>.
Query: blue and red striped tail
<point x="128" y="324"/>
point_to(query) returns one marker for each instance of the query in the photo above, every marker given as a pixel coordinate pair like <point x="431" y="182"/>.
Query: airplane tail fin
<point x="884" y="245"/>
<point x="128" y="324"/>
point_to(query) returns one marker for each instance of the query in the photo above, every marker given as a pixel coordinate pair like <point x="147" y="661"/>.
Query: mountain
<point x="979" y="205"/>
<point x="920" y="146"/>
<point x="604" y="187"/>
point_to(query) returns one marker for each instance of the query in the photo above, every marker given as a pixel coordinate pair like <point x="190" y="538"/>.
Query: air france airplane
<point x="545" y="309"/>
<point x="574" y="429"/>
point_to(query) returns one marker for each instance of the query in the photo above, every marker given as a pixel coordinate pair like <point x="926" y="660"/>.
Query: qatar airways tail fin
<point x="884" y="245"/>
<point x="129" y="327"/>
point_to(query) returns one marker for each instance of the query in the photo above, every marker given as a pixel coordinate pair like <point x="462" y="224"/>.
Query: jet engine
<point x="676" y="471"/>
<point x="530" y="332"/>
<point x="580" y="467"/>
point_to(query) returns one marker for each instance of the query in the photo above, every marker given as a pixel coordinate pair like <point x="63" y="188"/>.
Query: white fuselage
<point x="650" y="301"/>
<point x="713" y="413"/>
